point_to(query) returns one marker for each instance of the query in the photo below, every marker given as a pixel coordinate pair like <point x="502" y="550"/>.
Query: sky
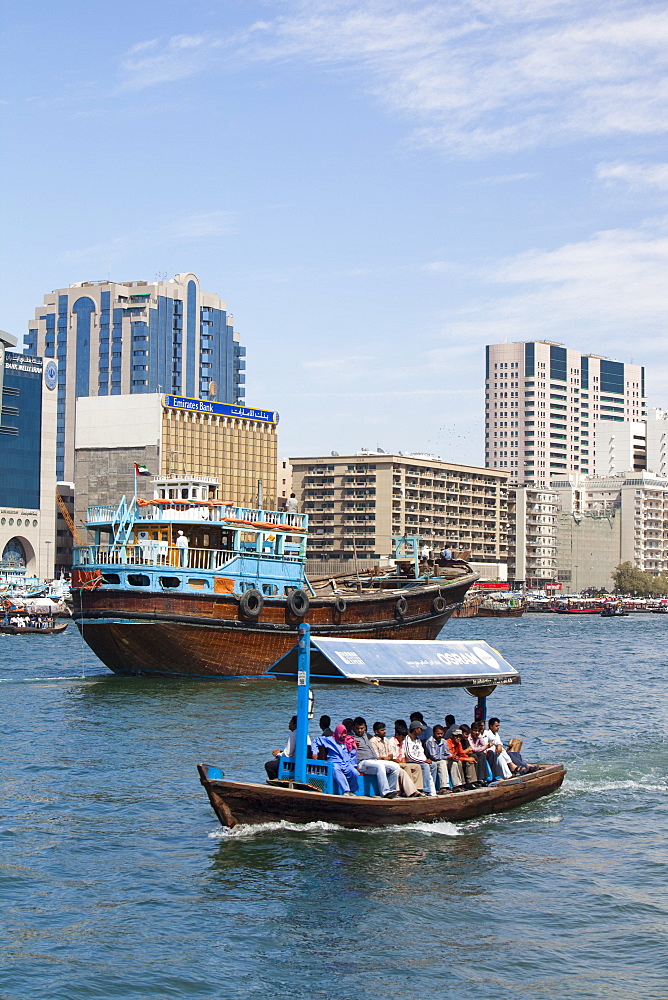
<point x="377" y="189"/>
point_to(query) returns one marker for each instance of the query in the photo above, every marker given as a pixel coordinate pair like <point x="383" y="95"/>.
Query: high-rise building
<point x="27" y="460"/>
<point x="121" y="338"/>
<point x="532" y="541"/>
<point x="542" y="402"/>
<point x="357" y="503"/>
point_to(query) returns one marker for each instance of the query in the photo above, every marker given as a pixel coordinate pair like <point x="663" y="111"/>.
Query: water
<point x="116" y="880"/>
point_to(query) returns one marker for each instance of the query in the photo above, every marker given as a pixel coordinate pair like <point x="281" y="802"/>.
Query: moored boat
<point x="32" y="630"/>
<point x="501" y="607"/>
<point x="309" y="795"/>
<point x="188" y="585"/>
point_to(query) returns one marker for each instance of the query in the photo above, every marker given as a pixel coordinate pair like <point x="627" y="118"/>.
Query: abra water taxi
<point x="188" y="585"/>
<point x="305" y="792"/>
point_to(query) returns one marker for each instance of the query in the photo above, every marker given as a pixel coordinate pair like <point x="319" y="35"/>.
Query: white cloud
<point x="637" y="176"/>
<point x="472" y="76"/>
<point x="606" y="294"/>
<point x="183" y="229"/>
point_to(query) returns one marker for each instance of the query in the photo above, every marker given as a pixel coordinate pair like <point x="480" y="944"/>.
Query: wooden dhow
<point x="187" y="585"/>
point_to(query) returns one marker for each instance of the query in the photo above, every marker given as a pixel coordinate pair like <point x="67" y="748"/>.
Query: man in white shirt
<point x="414" y="754"/>
<point x="182" y="546"/>
<point x="503" y="761"/>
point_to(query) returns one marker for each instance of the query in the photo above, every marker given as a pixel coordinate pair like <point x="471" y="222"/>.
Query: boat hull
<point x="237" y="803"/>
<point x="208" y="637"/>
<point x="501" y="613"/>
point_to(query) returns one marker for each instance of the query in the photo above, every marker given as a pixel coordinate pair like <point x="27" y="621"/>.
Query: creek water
<point x="116" y="880"/>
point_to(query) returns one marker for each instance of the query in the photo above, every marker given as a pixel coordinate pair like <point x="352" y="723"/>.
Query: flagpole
<point x="135" y="493"/>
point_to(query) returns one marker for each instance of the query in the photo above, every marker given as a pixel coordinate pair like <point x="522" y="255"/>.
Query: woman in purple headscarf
<point x="343" y="758"/>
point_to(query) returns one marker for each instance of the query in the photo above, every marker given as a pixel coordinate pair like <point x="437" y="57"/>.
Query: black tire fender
<point x="439" y="605"/>
<point x="298" y="603"/>
<point x="340" y="605"/>
<point x="401" y="607"/>
<point x="251" y="603"/>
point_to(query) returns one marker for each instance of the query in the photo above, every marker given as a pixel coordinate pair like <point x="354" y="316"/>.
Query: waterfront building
<point x="27" y="460"/>
<point x="357" y="503"/>
<point x="532" y="537"/>
<point x="283" y="482"/>
<point x="543" y="402"/>
<point x="177" y="437"/>
<point x="132" y="338"/>
<point x="656" y="447"/>
<point x="636" y="508"/>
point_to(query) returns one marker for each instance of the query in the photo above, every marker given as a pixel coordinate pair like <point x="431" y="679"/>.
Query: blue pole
<point x="303" y="685"/>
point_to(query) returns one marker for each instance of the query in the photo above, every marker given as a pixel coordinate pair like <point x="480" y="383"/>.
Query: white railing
<point x="157" y="554"/>
<point x="184" y="512"/>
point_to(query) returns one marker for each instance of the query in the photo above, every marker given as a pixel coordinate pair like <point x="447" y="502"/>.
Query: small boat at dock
<point x="305" y="793"/>
<point x="33" y="630"/>
<point x="505" y="606"/>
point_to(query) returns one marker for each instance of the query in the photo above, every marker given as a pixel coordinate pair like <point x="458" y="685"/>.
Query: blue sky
<point x="377" y="189"/>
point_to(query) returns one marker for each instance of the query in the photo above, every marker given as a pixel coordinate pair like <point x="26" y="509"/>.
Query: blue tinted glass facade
<point x="584" y="369"/>
<point x="83" y="309"/>
<point x="61" y="355"/>
<point x="116" y="352"/>
<point x="612" y="376"/>
<point x="20" y="444"/>
<point x="191" y="330"/>
<point x="558" y="364"/>
<point x="529" y="360"/>
<point x="105" y="334"/>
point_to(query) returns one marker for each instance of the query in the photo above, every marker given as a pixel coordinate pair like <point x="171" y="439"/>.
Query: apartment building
<point x="135" y="337"/>
<point x="357" y="503"/>
<point x="639" y="504"/>
<point x="543" y="403"/>
<point x="532" y="537"/>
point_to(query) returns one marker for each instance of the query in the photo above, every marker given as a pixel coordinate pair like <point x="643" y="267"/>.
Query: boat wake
<point x="243" y="832"/>
<point x="649" y="783"/>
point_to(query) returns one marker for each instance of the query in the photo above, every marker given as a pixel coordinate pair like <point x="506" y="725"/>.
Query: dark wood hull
<point x="236" y="803"/>
<point x="208" y="637"/>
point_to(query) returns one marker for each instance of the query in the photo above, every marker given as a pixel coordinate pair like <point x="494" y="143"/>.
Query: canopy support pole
<point x="303" y="687"/>
<point x="480" y="711"/>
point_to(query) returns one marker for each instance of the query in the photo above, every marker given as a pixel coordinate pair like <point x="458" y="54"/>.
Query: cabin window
<point x="184" y="494"/>
<point x="172" y="494"/>
<point x="170" y="582"/>
<point x="198" y="584"/>
<point x="270" y="589"/>
<point x="111" y="578"/>
<point x="162" y="494"/>
<point x="138" y="580"/>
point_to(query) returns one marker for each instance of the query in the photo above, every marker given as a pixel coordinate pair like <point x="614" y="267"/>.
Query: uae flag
<point x="141" y="470"/>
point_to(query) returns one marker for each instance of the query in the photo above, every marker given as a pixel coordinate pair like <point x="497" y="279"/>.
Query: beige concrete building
<point x="532" y="541"/>
<point x="543" y="403"/>
<point x="638" y="503"/>
<point x="356" y="503"/>
<point x="173" y="436"/>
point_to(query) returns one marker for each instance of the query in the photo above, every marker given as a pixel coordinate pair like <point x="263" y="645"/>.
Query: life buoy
<point x="298" y="603"/>
<point x="439" y="605"/>
<point x="340" y="605"/>
<point x="401" y="607"/>
<point x="251" y="603"/>
<point x="7" y="605"/>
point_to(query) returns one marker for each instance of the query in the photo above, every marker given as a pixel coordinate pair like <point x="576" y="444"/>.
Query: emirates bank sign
<point x="220" y="409"/>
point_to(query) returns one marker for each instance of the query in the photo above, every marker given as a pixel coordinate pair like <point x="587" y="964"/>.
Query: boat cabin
<point x="188" y="539"/>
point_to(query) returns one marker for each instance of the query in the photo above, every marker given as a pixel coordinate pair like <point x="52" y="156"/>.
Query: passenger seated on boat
<point x="325" y="723"/>
<point x="438" y="751"/>
<point x="350" y="734"/>
<point x="503" y="761"/>
<point x="386" y="772"/>
<point x="414" y="771"/>
<point x="384" y="751"/>
<point x="450" y="724"/>
<point x="271" y="767"/>
<point x="483" y="752"/>
<point x="465" y="761"/>
<point x="414" y="754"/>
<point x="513" y="751"/>
<point x="343" y="759"/>
<point x="427" y="731"/>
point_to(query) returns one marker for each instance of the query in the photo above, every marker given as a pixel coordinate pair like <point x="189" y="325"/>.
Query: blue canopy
<point x="402" y="663"/>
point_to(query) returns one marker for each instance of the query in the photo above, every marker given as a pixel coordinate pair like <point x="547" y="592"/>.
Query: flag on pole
<point x="141" y="470"/>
